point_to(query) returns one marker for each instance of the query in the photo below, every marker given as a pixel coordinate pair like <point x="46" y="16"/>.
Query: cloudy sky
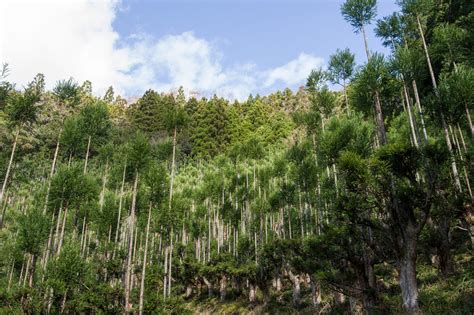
<point x="228" y="47"/>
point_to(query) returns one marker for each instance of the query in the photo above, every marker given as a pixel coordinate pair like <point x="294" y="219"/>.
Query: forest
<point x="351" y="195"/>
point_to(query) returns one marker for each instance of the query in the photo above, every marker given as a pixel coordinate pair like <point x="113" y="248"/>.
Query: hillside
<point x="324" y="200"/>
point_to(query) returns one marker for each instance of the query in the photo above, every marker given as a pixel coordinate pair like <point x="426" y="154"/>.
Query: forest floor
<point x="453" y="294"/>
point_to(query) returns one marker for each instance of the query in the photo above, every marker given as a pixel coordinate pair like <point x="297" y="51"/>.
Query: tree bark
<point x="172" y="168"/>
<point x="407" y="267"/>
<point x="444" y="125"/>
<point x="223" y="287"/>
<point x="87" y="154"/>
<point x="7" y="174"/>
<point x="53" y="167"/>
<point x="296" y="288"/>
<point x="130" y="246"/>
<point x="142" y="283"/>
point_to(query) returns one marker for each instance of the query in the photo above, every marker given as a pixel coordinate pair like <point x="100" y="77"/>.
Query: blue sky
<point x="268" y="33"/>
<point x="228" y="47"/>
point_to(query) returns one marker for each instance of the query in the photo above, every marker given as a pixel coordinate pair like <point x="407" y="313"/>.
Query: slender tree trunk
<point x="173" y="161"/>
<point x="130" y="246"/>
<point x="345" y="97"/>
<point x="7" y="174"/>
<point x="117" y="229"/>
<point x="142" y="284"/>
<point x="366" y="44"/>
<point x="87" y="154"/>
<point x="53" y="167"/>
<point x="380" y="120"/>
<point x="444" y="125"/>
<point x="411" y="119"/>
<point x="61" y="237"/>
<point x="170" y="262"/>
<point x="420" y="109"/>
<point x="165" y="278"/>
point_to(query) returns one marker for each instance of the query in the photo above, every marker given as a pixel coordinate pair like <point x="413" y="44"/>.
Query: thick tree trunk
<point x="316" y="293"/>
<point x="252" y="293"/>
<point x="7" y="174"/>
<point x="210" y="289"/>
<point x="407" y="267"/>
<point x="296" y="288"/>
<point x="445" y="261"/>
<point x="223" y="287"/>
<point x="189" y="292"/>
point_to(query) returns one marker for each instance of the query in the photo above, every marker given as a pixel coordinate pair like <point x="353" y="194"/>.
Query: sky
<point x="231" y="48"/>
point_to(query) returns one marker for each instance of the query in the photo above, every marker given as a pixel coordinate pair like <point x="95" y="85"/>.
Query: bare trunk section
<point x="7" y="174"/>
<point x="172" y="168"/>
<point x="296" y="288"/>
<point x="223" y="287"/>
<point x="142" y="283"/>
<point x="408" y="284"/>
<point x="87" y="154"/>
<point x="130" y="247"/>
<point x="53" y="167"/>
<point x="457" y="182"/>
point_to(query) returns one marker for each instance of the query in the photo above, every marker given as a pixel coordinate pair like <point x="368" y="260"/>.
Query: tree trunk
<point x="345" y="97"/>
<point x="223" y="287"/>
<point x="252" y="293"/>
<point x="210" y="290"/>
<point x="172" y="168"/>
<point x="87" y="154"/>
<point x="407" y="266"/>
<point x="445" y="262"/>
<point x="457" y="182"/>
<point x="32" y="271"/>
<point x="130" y="246"/>
<point x="420" y="109"/>
<point x="142" y="284"/>
<point x="316" y="293"/>
<point x="7" y="174"/>
<point x="117" y="229"/>
<point x="189" y="291"/>
<point x="61" y="237"/>
<point x="366" y="44"/>
<point x="380" y="120"/>
<point x="53" y="167"/>
<point x="296" y="288"/>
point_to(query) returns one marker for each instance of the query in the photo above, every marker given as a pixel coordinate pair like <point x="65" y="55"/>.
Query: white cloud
<point x="76" y="38"/>
<point x="294" y="71"/>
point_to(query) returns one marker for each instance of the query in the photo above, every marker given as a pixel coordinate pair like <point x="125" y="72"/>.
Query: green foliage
<point x="70" y="187"/>
<point x="33" y="231"/>
<point x="359" y="12"/>
<point x="341" y="66"/>
<point x="67" y="92"/>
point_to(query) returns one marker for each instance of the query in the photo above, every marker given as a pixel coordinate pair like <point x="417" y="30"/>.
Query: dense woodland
<point x="355" y="199"/>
